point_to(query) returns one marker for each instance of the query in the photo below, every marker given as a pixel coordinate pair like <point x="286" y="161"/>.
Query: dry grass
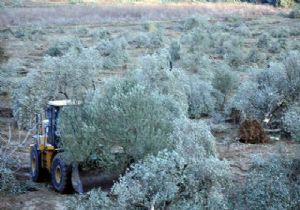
<point x="83" y="14"/>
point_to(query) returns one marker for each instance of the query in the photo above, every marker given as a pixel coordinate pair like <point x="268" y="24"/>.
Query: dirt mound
<point x="252" y="132"/>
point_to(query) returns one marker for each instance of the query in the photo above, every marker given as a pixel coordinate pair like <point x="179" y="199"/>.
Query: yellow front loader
<point x="46" y="156"/>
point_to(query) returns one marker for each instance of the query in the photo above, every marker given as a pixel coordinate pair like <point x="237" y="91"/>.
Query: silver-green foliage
<point x="193" y="22"/>
<point x="225" y="81"/>
<point x="94" y="199"/>
<point x="151" y="40"/>
<point x="257" y="97"/>
<point x="270" y="184"/>
<point x="292" y="72"/>
<point x="291" y="121"/>
<point x="8" y="166"/>
<point x="234" y="51"/>
<point x="62" y="47"/>
<point x="8" y="75"/>
<point x="295" y="13"/>
<point x="188" y="177"/>
<point x="201" y="99"/>
<point x="155" y="74"/>
<point x="101" y="34"/>
<point x="268" y="90"/>
<point x="207" y="39"/>
<point x="121" y="113"/>
<point x="8" y="182"/>
<point x="174" y="51"/>
<point x="113" y="53"/>
<point x="66" y="77"/>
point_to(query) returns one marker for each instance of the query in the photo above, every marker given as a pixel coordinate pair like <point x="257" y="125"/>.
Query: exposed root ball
<point x="252" y="132"/>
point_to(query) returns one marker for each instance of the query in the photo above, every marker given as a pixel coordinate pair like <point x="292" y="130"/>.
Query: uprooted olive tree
<point x="137" y="126"/>
<point x="186" y="176"/>
<point x="125" y="119"/>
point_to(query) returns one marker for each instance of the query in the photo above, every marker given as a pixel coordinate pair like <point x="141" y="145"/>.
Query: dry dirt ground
<point x="52" y="26"/>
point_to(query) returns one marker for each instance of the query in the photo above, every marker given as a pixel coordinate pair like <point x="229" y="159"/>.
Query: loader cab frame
<point x="52" y="132"/>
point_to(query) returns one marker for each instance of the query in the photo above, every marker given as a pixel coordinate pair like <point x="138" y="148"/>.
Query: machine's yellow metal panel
<point x="49" y="154"/>
<point x="49" y="147"/>
<point x="41" y="147"/>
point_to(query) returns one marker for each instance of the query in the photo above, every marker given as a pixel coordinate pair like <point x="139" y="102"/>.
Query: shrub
<point x="150" y="27"/>
<point x="122" y="113"/>
<point x="191" y="23"/>
<point x="151" y="40"/>
<point x="179" y="185"/>
<point x="155" y="74"/>
<point x="201" y="99"/>
<point x="174" y="51"/>
<point x="66" y="77"/>
<point x="263" y="94"/>
<point x="194" y="140"/>
<point x="233" y="51"/>
<point x="9" y="165"/>
<point x="253" y="101"/>
<point x="243" y="30"/>
<point x="292" y="72"/>
<point x="263" y="41"/>
<point x="28" y="33"/>
<point x="141" y="40"/>
<point x="291" y="122"/>
<point x="171" y="179"/>
<point x="225" y="81"/>
<point x="295" y="13"/>
<point x="8" y="75"/>
<point x="27" y="103"/>
<point x="194" y="22"/>
<point x="8" y="182"/>
<point x="267" y="94"/>
<point x="255" y="56"/>
<point x="268" y="185"/>
<point x="3" y="55"/>
<point x="277" y="46"/>
<point x="198" y="40"/>
<point x="156" y="40"/>
<point x="114" y="53"/>
<point x="60" y="48"/>
<point x="94" y="199"/>
<point x="280" y="33"/>
<point x="12" y="3"/>
<point x="101" y="34"/>
<point x="198" y="63"/>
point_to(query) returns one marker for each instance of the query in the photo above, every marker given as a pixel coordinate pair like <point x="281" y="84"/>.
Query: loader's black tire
<point x="61" y="175"/>
<point x="36" y="170"/>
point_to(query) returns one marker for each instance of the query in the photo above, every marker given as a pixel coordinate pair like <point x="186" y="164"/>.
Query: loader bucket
<point x="83" y="181"/>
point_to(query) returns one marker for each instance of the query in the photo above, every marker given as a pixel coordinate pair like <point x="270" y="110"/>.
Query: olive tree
<point x="189" y="176"/>
<point x="122" y="113"/>
<point x="67" y="77"/>
<point x="268" y="92"/>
